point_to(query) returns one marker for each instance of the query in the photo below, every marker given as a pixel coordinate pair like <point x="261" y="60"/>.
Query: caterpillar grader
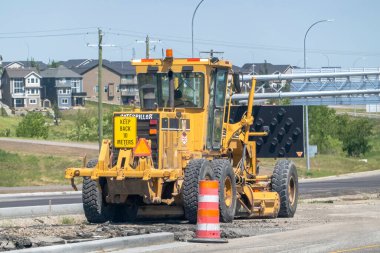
<point x="188" y="129"/>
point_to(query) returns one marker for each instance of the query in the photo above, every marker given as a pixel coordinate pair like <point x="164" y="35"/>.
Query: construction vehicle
<point x="186" y="130"/>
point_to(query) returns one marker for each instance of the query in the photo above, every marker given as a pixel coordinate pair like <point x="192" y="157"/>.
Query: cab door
<point x="216" y="108"/>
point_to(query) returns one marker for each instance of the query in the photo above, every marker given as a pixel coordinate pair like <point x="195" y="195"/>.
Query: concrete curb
<point x="33" y="211"/>
<point x="341" y="177"/>
<point x="106" y="245"/>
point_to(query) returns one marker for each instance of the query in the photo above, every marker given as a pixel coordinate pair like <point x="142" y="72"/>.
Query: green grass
<point x="67" y="220"/>
<point x="329" y="165"/>
<point x="33" y="170"/>
<point x="9" y="123"/>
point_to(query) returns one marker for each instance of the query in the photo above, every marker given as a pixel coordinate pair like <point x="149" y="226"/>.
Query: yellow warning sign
<point x="125" y="132"/>
<point x="142" y="148"/>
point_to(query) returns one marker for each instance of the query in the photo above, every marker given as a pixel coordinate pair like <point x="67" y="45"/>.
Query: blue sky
<point x="245" y="30"/>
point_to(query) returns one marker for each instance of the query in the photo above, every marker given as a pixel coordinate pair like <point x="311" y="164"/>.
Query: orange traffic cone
<point x="208" y="229"/>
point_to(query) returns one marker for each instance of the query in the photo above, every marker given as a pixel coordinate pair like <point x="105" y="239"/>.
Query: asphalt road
<point x="39" y="199"/>
<point x="367" y="182"/>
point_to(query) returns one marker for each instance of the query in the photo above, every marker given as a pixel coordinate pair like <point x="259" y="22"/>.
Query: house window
<point x="64" y="101"/>
<point x="33" y="91"/>
<point x="18" y="85"/>
<point x="75" y="86"/>
<point x="19" y="102"/>
<point x="96" y="88"/>
<point x="33" y="101"/>
<point x="31" y="80"/>
<point x="64" y="91"/>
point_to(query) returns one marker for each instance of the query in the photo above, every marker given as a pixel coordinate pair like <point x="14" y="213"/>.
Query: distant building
<point x="265" y="69"/>
<point x="119" y="79"/>
<point x="63" y="87"/>
<point x="21" y="88"/>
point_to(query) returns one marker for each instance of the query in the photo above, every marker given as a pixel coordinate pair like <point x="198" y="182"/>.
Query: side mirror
<point x="236" y="80"/>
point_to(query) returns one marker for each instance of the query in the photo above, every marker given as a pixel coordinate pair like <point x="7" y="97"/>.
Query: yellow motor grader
<point x="187" y="129"/>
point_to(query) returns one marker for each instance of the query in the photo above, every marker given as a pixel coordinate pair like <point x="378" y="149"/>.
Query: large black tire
<point x="285" y="183"/>
<point x="227" y="189"/>
<point x="196" y="170"/>
<point x="94" y="206"/>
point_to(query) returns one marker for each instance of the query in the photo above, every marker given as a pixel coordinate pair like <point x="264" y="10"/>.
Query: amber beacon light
<point x="169" y="53"/>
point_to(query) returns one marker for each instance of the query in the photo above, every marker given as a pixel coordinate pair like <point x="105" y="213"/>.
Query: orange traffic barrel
<point x="208" y="227"/>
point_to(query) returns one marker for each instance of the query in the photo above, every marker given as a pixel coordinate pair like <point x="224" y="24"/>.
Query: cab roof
<point x="182" y="61"/>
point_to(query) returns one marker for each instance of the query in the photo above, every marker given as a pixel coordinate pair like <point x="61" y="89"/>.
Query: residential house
<point x="63" y="87"/>
<point x="21" y="88"/>
<point x="119" y="80"/>
<point x="265" y="69"/>
<point x="128" y="89"/>
<point x="20" y="65"/>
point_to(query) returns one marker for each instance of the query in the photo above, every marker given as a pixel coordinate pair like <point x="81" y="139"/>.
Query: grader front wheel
<point x="285" y="183"/>
<point x="196" y="170"/>
<point x="95" y="208"/>
<point x="227" y="189"/>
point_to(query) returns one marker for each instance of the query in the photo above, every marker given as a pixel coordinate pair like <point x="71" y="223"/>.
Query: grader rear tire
<point x="227" y="189"/>
<point x="285" y="183"/>
<point x="95" y="210"/>
<point x="196" y="170"/>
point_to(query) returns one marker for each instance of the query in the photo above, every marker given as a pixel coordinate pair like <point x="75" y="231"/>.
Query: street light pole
<point x="304" y="39"/>
<point x="307" y="107"/>
<point x="192" y="28"/>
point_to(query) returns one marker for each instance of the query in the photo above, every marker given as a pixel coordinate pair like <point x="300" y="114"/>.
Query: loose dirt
<point x="43" y="231"/>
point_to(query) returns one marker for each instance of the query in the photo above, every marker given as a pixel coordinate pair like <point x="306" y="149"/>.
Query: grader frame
<point x="183" y="133"/>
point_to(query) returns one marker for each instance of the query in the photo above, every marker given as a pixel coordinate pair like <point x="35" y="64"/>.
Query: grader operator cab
<point x="187" y="130"/>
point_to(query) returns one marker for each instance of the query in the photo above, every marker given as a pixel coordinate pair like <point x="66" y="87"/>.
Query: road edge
<point x="105" y="245"/>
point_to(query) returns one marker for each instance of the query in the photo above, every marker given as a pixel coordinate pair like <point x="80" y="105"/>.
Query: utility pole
<point x="100" y="90"/>
<point x="100" y="86"/>
<point x="147" y="45"/>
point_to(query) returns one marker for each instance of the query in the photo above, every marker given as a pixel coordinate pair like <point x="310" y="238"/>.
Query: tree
<point x="323" y="129"/>
<point x="333" y="133"/>
<point x="85" y="127"/>
<point x="54" y="64"/>
<point x="33" y="125"/>
<point x="355" y="135"/>
<point x="57" y="114"/>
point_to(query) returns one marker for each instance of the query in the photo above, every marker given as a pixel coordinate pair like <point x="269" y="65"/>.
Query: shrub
<point x="33" y="125"/>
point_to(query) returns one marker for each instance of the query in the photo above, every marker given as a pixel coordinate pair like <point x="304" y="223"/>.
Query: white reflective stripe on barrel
<point x="208" y="227"/>
<point x="208" y="198"/>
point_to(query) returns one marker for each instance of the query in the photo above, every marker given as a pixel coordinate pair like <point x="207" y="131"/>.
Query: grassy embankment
<point x="18" y="169"/>
<point x="23" y="169"/>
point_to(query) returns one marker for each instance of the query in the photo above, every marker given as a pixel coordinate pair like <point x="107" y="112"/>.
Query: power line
<point x="45" y="35"/>
<point x="247" y="45"/>
<point x="52" y="30"/>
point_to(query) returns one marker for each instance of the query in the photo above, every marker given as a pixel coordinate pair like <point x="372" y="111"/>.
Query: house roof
<point x="81" y="66"/>
<point x="20" y="73"/>
<point x="264" y="68"/>
<point x="26" y="64"/>
<point x="122" y="67"/>
<point x="60" y="72"/>
<point x="75" y="63"/>
<point x="236" y="69"/>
